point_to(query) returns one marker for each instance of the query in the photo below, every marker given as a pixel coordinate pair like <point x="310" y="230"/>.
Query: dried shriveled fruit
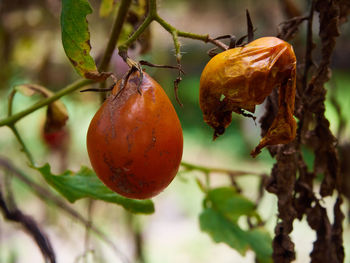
<point x="55" y="133"/>
<point x="238" y="79"/>
<point x="135" y="140"/>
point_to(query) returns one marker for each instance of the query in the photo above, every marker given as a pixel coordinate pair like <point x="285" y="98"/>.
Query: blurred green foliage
<point x="85" y="183"/>
<point x="222" y="209"/>
<point x="31" y="52"/>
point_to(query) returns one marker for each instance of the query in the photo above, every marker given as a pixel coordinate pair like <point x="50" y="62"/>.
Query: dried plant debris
<point x="291" y="180"/>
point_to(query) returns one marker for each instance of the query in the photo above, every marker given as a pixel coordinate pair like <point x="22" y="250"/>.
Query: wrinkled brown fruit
<point x="241" y="78"/>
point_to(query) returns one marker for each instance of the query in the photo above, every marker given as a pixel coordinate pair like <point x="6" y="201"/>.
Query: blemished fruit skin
<point x="135" y="140"/>
<point x="55" y="139"/>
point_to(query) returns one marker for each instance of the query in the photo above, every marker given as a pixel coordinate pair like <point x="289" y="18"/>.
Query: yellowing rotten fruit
<point x="238" y="79"/>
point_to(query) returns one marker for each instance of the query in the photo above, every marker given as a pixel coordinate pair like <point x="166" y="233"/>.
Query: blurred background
<point x="31" y="52"/>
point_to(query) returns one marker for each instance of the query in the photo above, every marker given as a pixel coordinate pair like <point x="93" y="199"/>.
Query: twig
<point x="14" y="129"/>
<point x="309" y="46"/>
<point x="208" y="170"/>
<point x="290" y="27"/>
<point x="23" y="145"/>
<point x="123" y="47"/>
<point x="68" y="89"/>
<point x="47" y="196"/>
<point x="204" y="38"/>
<point x="177" y="46"/>
<point x="33" y="229"/>
<point x="217" y="43"/>
<point x="10" y="102"/>
<point x="87" y="228"/>
<point x="153" y="16"/>
<point x="117" y="28"/>
<point x="135" y="230"/>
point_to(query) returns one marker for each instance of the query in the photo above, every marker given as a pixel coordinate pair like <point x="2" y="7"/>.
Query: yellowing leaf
<point x="106" y="7"/>
<point x="76" y="38"/>
<point x="57" y="114"/>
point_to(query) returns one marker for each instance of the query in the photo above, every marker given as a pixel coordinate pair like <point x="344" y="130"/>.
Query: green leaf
<point x="85" y="183"/>
<point x="260" y="241"/>
<point x="223" y="207"/>
<point x="230" y="203"/>
<point x="76" y="38"/>
<point x="222" y="229"/>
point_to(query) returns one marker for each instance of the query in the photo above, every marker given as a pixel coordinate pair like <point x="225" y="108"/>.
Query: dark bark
<point x="291" y="180"/>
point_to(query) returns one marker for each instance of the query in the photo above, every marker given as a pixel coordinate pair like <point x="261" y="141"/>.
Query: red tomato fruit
<point x="135" y="140"/>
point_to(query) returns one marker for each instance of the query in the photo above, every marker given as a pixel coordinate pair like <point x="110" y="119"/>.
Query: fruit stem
<point x="208" y="170"/>
<point x="124" y="46"/>
<point x="113" y="39"/>
<point x="21" y="142"/>
<point x="11" y="120"/>
<point x="14" y="129"/>
<point x="205" y="38"/>
<point x="177" y="46"/>
<point x="153" y="15"/>
<point x="10" y="102"/>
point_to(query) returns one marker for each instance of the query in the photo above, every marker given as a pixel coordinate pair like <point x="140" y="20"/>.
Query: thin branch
<point x="31" y="227"/>
<point x="113" y="39"/>
<point x="87" y="228"/>
<point x="48" y="196"/>
<point x="14" y="129"/>
<point x="153" y="15"/>
<point x="289" y="27"/>
<point x="208" y="170"/>
<point x="307" y="64"/>
<point x="309" y="46"/>
<point x="9" y="195"/>
<point x="23" y="145"/>
<point x="204" y="38"/>
<point x="10" y="103"/>
<point x="80" y="83"/>
<point x="217" y="43"/>
<point x="68" y="89"/>
<point x="152" y="7"/>
<point x="124" y="46"/>
<point x="177" y="46"/>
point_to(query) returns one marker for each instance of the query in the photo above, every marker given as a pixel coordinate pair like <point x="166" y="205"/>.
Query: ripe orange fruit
<point x="135" y="140"/>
